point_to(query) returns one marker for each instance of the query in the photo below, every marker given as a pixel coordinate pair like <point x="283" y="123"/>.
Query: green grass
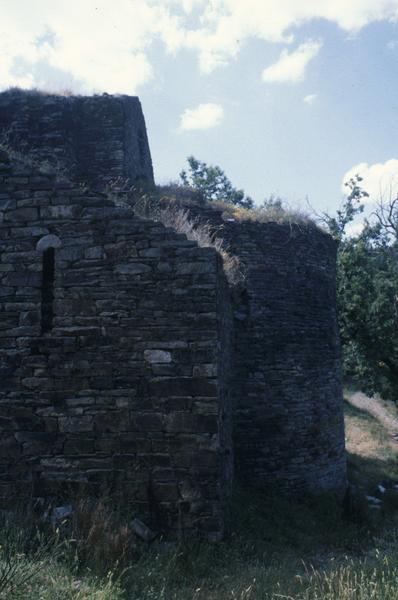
<point x="54" y="581"/>
<point x="274" y="548"/>
<point x="37" y="563"/>
<point x="371" y="453"/>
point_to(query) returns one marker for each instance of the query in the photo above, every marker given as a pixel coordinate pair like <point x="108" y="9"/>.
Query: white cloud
<point x="355" y="228"/>
<point x="380" y="180"/>
<point x="202" y="117"/>
<point x="392" y="44"/>
<point x="290" y="67"/>
<point x="103" y="46"/>
<point x="226" y="24"/>
<point x="310" y="99"/>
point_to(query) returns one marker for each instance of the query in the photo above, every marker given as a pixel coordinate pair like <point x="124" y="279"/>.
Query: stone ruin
<point x="128" y="364"/>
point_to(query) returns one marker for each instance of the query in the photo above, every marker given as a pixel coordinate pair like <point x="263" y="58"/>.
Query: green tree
<point x="213" y="183"/>
<point x="352" y="206"/>
<point x="367" y="292"/>
<point x="367" y="286"/>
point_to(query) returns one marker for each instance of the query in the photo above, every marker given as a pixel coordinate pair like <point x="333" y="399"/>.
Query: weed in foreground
<point x="98" y="538"/>
<point x="274" y="548"/>
<point x="18" y="566"/>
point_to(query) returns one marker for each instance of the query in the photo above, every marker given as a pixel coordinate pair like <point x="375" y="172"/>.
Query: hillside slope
<point x="371" y="440"/>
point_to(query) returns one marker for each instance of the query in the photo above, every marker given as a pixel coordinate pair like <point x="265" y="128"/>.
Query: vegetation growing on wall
<point x="205" y="236"/>
<point x="213" y="183"/>
<point x="214" y="187"/>
<point x="272" y="210"/>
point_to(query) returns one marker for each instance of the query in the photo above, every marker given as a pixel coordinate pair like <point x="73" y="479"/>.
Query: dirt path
<point x="378" y="410"/>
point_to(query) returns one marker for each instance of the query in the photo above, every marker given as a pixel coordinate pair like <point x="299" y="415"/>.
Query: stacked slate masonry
<point x="126" y="359"/>
<point x="123" y="389"/>
<point x="96" y="140"/>
<point x="287" y="382"/>
<point x="289" y="410"/>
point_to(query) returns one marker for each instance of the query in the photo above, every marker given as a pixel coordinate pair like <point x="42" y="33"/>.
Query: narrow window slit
<point x="47" y="290"/>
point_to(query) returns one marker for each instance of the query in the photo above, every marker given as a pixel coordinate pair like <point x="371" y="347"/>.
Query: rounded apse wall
<point x="289" y="426"/>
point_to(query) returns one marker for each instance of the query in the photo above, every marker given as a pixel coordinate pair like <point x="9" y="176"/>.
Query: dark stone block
<point x="112" y="422"/>
<point x="148" y="422"/>
<point x="165" y="492"/>
<point x="34" y="444"/>
<point x="78" y="445"/>
<point x="75" y="424"/>
<point x="183" y="386"/>
<point x="9" y="447"/>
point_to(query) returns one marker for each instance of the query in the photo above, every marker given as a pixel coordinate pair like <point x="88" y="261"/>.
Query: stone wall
<point x="288" y="413"/>
<point x="113" y="358"/>
<point x="95" y="139"/>
<point x="124" y="352"/>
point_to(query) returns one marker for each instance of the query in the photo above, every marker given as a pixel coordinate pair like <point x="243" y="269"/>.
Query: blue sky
<point x="289" y="97"/>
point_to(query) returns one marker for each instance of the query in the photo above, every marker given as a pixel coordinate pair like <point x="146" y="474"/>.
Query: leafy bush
<point x="367" y="284"/>
<point x="212" y="182"/>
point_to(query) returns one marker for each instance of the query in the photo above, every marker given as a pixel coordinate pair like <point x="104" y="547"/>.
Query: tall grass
<point x="274" y="210"/>
<point x="33" y="565"/>
<point x="100" y="538"/>
<point x="79" y="557"/>
<point x="205" y="236"/>
<point x="272" y="213"/>
<point x="303" y="549"/>
<point x="352" y="581"/>
<point x="275" y="548"/>
<point x="23" y="554"/>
